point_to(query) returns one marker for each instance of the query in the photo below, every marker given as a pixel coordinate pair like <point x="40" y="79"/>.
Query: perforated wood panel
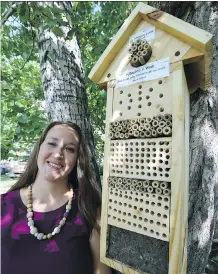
<point x="141" y="158"/>
<point x="146" y="99"/>
<point x="141" y="212"/>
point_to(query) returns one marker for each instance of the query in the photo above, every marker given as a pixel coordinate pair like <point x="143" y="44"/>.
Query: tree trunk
<point x="203" y="189"/>
<point x="64" y="85"/>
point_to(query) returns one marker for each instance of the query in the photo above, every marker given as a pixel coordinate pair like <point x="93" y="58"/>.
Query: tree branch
<point x="9" y="12"/>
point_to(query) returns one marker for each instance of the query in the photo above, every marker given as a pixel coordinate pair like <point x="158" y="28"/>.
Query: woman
<point x="49" y="220"/>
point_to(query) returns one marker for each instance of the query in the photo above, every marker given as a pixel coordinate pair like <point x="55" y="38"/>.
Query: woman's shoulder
<point x="8" y="198"/>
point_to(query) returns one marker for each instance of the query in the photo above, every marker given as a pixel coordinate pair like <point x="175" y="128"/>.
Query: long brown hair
<point x="82" y="177"/>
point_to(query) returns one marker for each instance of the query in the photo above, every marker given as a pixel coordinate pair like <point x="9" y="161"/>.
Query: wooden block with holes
<point x="149" y="69"/>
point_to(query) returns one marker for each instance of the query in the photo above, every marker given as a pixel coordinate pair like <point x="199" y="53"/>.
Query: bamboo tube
<point x="124" y="130"/>
<point x="134" y="182"/>
<point x="142" y="121"/>
<point x="159" y="117"/>
<point x="130" y="133"/>
<point x="133" y="121"/>
<point x="124" y="180"/>
<point x="144" y="53"/>
<point x="150" y="189"/>
<point x="155" y="123"/>
<point x="141" y="47"/>
<point x="139" y="183"/>
<point x="135" y="133"/>
<point x="142" y="134"/>
<point x="166" y="192"/>
<point x="169" y="123"/>
<point x="142" y="60"/>
<point x="129" y="126"/>
<point x="146" y="46"/>
<point x="132" y="187"/>
<point x="167" y="117"/>
<point x="119" y="128"/>
<point x="167" y="131"/>
<point x="111" y="135"/>
<point x="135" y="61"/>
<point x="147" y="126"/>
<point x="109" y="179"/>
<point x="148" y="133"/>
<point x="137" y="188"/>
<point x="122" y="135"/>
<point x="154" y="133"/>
<point x="143" y="42"/>
<point x="163" y="185"/>
<point x="141" y="128"/>
<point x="117" y="135"/>
<point x="126" y="135"/>
<point x="138" y="42"/>
<point x="159" y="131"/>
<point x="158" y="190"/>
<point x="119" y="180"/>
<point x="129" y="181"/>
<point x="155" y="184"/>
<point x="116" y="123"/>
<point x="161" y="123"/>
<point x="134" y="48"/>
<point x="145" y="183"/>
<point x="143" y="189"/>
<point x="135" y="127"/>
<point x="148" y="120"/>
<point x="114" y="179"/>
<point x="130" y="51"/>
<point x="140" y="53"/>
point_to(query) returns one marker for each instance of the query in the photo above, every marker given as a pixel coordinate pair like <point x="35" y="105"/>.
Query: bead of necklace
<point x="33" y="230"/>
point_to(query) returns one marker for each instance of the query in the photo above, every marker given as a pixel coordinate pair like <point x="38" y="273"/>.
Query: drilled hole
<point x="161" y="109"/>
<point x="160" y="82"/>
<point x="161" y="95"/>
<point x="149" y="103"/>
<point x="177" y="53"/>
<point x="150" y="89"/>
<point x="109" y="75"/>
<point x="140" y="86"/>
<point x="129" y="95"/>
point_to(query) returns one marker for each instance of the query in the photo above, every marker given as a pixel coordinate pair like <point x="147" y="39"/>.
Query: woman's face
<point x="58" y="153"/>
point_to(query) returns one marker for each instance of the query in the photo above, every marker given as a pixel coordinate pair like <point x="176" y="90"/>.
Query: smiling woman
<point x="50" y="217"/>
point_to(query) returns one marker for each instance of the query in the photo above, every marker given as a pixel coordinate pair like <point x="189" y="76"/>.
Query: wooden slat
<point x="104" y="214"/>
<point x="179" y="182"/>
<point x="121" y="267"/>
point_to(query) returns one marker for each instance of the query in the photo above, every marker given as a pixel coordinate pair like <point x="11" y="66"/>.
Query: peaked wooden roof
<point x="197" y="38"/>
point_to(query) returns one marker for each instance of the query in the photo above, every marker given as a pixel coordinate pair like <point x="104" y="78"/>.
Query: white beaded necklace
<point x="33" y="229"/>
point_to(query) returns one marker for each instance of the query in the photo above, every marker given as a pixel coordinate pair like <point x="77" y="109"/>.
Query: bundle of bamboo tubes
<point x="158" y="126"/>
<point x="139" y="53"/>
<point x="155" y="187"/>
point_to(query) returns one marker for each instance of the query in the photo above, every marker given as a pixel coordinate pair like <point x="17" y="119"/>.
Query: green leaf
<point x="57" y="31"/>
<point x="70" y="34"/>
<point x="17" y="130"/>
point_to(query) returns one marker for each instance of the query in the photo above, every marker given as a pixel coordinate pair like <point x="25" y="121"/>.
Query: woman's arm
<point x="99" y="268"/>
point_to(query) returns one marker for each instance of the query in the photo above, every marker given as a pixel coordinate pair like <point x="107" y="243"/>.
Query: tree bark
<point x="64" y="85"/>
<point x="203" y="182"/>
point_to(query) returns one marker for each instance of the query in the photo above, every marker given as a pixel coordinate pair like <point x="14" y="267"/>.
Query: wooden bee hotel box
<point x="149" y="69"/>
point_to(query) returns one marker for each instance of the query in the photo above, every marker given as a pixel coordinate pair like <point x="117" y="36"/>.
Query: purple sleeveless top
<point x="66" y="253"/>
